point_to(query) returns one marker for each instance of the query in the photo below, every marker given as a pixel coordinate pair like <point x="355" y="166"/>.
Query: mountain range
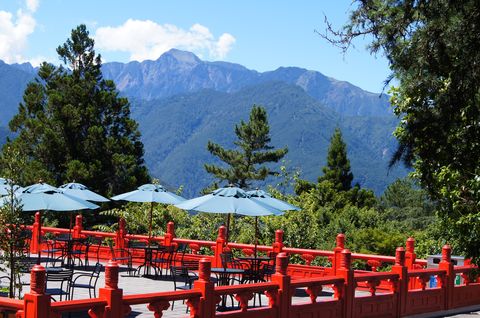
<point x="181" y="102"/>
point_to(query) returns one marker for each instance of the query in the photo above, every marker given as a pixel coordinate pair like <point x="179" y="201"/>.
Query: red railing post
<point x="36" y="302"/>
<point x="170" y="234"/>
<point x="36" y="230"/>
<point x="283" y="280"/>
<point x="337" y="251"/>
<point x="77" y="229"/>
<point x="448" y="283"/>
<point x="277" y="246"/>
<point x="345" y="271"/>
<point x="219" y="245"/>
<point x="111" y="293"/>
<point x="206" y="287"/>
<point x="410" y="255"/>
<point x="121" y="234"/>
<point x="402" y="287"/>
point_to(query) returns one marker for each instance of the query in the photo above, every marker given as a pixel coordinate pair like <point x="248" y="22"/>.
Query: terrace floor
<point x="140" y="285"/>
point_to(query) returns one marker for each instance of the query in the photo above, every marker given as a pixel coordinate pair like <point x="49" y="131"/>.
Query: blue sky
<point x="261" y="35"/>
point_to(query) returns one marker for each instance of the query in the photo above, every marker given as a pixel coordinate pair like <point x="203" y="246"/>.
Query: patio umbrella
<point x="80" y="191"/>
<point x="44" y="197"/>
<point x="153" y="193"/>
<point x="264" y="197"/>
<point x="5" y="187"/>
<point x="229" y="200"/>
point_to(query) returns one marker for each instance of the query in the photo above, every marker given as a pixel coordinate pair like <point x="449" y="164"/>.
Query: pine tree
<point x="245" y="162"/>
<point x="72" y="125"/>
<point x="337" y="169"/>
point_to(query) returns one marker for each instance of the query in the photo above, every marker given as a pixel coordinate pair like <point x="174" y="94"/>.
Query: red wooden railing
<point x="403" y="291"/>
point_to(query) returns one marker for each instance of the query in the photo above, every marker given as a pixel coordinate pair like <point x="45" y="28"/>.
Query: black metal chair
<point x="63" y="278"/>
<point x="228" y="261"/>
<point x="95" y="243"/>
<point x="79" y="250"/>
<point x="163" y="258"/>
<point x="53" y="248"/>
<point x="122" y="256"/>
<point x="92" y="281"/>
<point x="133" y="247"/>
<point x="182" y="278"/>
<point x="180" y="254"/>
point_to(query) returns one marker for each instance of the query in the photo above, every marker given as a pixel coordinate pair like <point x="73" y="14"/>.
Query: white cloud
<point x="32" y="5"/>
<point x="145" y="39"/>
<point x="14" y="32"/>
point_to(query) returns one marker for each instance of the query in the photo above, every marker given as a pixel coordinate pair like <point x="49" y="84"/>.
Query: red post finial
<point x="281" y="264"/>
<point x="37" y="280"/>
<point x="346" y="259"/>
<point x="37" y="217"/>
<point x="400" y="256"/>
<point x="204" y="269"/>
<point x="410" y="244"/>
<point x="341" y="241"/>
<point x="111" y="275"/>
<point x="446" y="253"/>
<point x="222" y="232"/>
<point x="279" y="236"/>
<point x="122" y="224"/>
<point x="171" y="228"/>
<point x="79" y="220"/>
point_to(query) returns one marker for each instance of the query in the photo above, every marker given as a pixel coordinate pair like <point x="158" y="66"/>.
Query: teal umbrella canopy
<point x="6" y="187"/>
<point x="229" y="200"/>
<point x="150" y="193"/>
<point x="42" y="196"/>
<point x="80" y="191"/>
<point x="266" y="198"/>
<point x="153" y="193"/>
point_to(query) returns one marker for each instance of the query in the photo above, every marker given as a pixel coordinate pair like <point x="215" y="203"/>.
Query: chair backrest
<point x="60" y="276"/>
<point x="227" y="259"/>
<point x="179" y="274"/>
<point x="96" y="274"/>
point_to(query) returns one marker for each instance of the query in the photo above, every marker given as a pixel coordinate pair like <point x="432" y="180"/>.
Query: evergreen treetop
<point x="72" y="125"/>
<point x="245" y="164"/>
<point x="337" y="169"/>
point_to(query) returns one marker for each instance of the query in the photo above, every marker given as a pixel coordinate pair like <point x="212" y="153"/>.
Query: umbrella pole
<point x="228" y="226"/>
<point x="256" y="236"/>
<point x="70" y="227"/>
<point x="39" y="239"/>
<point x="150" y="223"/>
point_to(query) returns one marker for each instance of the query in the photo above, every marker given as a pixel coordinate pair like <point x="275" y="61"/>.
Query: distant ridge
<point x="178" y="72"/>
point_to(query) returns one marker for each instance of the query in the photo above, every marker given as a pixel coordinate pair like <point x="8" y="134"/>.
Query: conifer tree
<point x="245" y="164"/>
<point x="72" y="125"/>
<point x="337" y="169"/>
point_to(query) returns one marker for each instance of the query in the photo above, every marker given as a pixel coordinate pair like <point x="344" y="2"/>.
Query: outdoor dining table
<point x="224" y="277"/>
<point x="147" y="260"/>
<point x="68" y="248"/>
<point x="255" y="266"/>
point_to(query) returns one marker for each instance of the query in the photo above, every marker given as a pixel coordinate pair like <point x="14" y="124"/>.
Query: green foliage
<point x="253" y="142"/>
<point x="12" y="232"/>
<point x="337" y="169"/>
<point x="72" y="125"/>
<point x="434" y="51"/>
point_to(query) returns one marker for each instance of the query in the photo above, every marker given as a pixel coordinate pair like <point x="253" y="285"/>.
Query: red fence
<point x="121" y="239"/>
<point x="404" y="291"/>
<point x="354" y="294"/>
